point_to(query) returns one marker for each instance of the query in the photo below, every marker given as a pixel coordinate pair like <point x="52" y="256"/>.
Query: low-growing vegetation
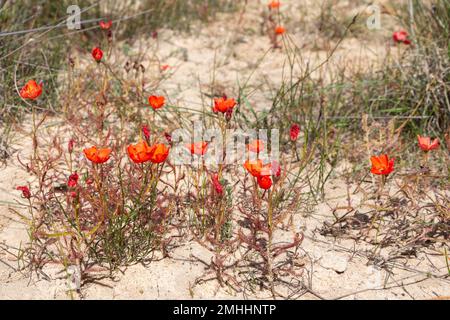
<point x="121" y="175"/>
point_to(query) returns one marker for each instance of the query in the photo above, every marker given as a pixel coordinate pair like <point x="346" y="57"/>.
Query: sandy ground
<point x="333" y="268"/>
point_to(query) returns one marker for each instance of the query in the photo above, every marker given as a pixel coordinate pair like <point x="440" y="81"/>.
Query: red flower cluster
<point x="97" y="156"/>
<point x="156" y="102"/>
<point x="274" y="5"/>
<point x="263" y="172"/>
<point x="401" y="37"/>
<point x="146" y="132"/>
<point x="382" y="165"/>
<point x="224" y="105"/>
<point x="216" y="183"/>
<point x="280" y="30"/>
<point x="97" y="54"/>
<point x="31" y="90"/>
<point x="294" y="132"/>
<point x="25" y="191"/>
<point x="73" y="180"/>
<point x="426" y="144"/>
<point x="142" y="152"/>
<point x="105" y="25"/>
<point x="159" y="153"/>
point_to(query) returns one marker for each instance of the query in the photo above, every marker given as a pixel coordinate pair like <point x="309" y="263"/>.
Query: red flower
<point x="146" y="132"/>
<point x="140" y="152"/>
<point x="295" y="131"/>
<point x="216" y="184"/>
<point x="164" y="67"/>
<point x="73" y="180"/>
<point x="97" y="54"/>
<point x="198" y="148"/>
<point x="256" y="146"/>
<point x="156" y="102"/>
<point x="264" y="182"/>
<point x="105" y="25"/>
<point x="25" y="191"/>
<point x="401" y="37"/>
<point x="382" y="165"/>
<point x="426" y="144"/>
<point x="274" y="5"/>
<point x="31" y="90"/>
<point x="280" y="30"/>
<point x="159" y="153"/>
<point x="223" y="104"/>
<point x="70" y="145"/>
<point x="97" y="155"/>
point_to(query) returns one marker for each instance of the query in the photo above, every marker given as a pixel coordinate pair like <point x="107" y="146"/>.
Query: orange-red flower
<point x="97" y="155"/>
<point x="256" y="146"/>
<point x="156" y="102"/>
<point x="164" y="67"/>
<point x="274" y="4"/>
<point x="139" y="152"/>
<point x="264" y="182"/>
<point x="198" y="148"/>
<point x="159" y="153"/>
<point x="295" y="131"/>
<point x="105" y="25"/>
<point x="401" y="37"/>
<point x="97" y="54"/>
<point x="257" y="169"/>
<point x="254" y="167"/>
<point x="31" y="90"/>
<point x="382" y="165"/>
<point x="280" y="30"/>
<point x="223" y="104"/>
<point x="426" y="144"/>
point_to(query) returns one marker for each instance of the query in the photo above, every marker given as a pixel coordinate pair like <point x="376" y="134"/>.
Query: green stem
<point x="269" y="243"/>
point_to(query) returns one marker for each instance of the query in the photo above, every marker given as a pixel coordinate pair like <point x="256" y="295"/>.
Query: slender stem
<point x="98" y="181"/>
<point x="381" y="186"/>
<point x="426" y="160"/>
<point x="427" y="168"/>
<point x="34" y="135"/>
<point x="269" y="243"/>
